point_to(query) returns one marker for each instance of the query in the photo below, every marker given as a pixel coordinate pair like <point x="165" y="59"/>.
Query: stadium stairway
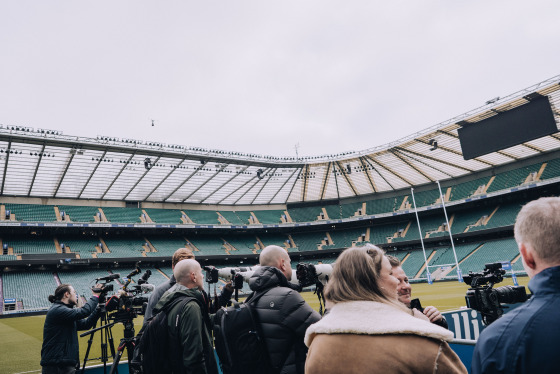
<point x="57" y="279"/>
<point x="1" y="296"/>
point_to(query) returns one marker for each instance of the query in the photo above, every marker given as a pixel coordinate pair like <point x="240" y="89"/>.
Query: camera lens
<point x="511" y="295"/>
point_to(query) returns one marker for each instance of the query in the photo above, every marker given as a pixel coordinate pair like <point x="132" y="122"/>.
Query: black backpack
<point x="158" y="350"/>
<point x="238" y="339"/>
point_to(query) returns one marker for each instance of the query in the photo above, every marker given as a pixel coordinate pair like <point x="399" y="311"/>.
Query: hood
<point x="373" y="318"/>
<point x="266" y="277"/>
<point x="174" y="293"/>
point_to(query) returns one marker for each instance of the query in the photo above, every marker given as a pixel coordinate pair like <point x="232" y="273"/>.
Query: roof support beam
<point x="421" y="161"/>
<point x="532" y="147"/>
<point x="63" y="175"/>
<point x="283" y="185"/>
<point x="335" y="173"/>
<point x="223" y="184"/>
<point x="325" y="181"/>
<point x="434" y="159"/>
<point x="6" y="166"/>
<point x="202" y="184"/>
<point x="264" y="184"/>
<point x="454" y="152"/>
<point x="249" y="189"/>
<point x="304" y="180"/>
<point x="92" y="173"/>
<point x="184" y="181"/>
<point x="368" y="174"/>
<point x="345" y="175"/>
<point x="237" y="189"/>
<point x="118" y="175"/>
<point x="39" y="159"/>
<point x="164" y="179"/>
<point x="140" y="179"/>
<point x="412" y="166"/>
<point x="390" y="171"/>
<point x="367" y="159"/>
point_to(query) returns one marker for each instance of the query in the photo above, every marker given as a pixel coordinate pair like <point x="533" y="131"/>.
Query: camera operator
<point x="525" y="340"/>
<point x="60" y="351"/>
<point x="181" y="254"/>
<point x="404" y="292"/>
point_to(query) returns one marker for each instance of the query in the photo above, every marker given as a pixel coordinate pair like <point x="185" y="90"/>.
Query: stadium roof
<point x="49" y="164"/>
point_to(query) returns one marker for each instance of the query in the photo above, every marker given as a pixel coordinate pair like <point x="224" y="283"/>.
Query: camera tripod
<point x="126" y="342"/>
<point x="106" y="338"/>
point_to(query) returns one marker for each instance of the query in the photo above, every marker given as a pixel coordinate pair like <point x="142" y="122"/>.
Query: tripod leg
<point x="111" y="342"/>
<point x="130" y="353"/>
<point x="90" y="340"/>
<point x="115" y="366"/>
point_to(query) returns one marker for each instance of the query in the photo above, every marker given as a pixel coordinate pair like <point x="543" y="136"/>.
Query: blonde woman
<point x="368" y="330"/>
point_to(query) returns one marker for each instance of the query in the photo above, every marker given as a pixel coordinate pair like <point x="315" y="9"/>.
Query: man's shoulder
<point x="510" y="327"/>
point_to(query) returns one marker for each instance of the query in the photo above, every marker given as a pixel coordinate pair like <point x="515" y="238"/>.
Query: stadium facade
<point x="74" y="208"/>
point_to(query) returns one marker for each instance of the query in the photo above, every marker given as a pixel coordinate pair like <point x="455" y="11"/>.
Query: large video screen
<point x="526" y="122"/>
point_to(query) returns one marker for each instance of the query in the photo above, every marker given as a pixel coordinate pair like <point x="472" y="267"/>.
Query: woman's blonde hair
<point x="356" y="275"/>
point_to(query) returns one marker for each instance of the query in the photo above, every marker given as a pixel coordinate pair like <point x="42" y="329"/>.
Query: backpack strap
<point x="175" y="348"/>
<point x="252" y="299"/>
<point x="183" y="300"/>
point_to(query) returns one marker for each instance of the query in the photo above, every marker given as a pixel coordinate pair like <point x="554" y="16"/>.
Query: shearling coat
<point x="372" y="337"/>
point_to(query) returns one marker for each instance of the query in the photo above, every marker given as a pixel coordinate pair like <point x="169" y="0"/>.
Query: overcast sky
<point x="263" y="76"/>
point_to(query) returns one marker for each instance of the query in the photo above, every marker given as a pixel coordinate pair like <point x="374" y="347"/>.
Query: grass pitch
<point x="21" y="337"/>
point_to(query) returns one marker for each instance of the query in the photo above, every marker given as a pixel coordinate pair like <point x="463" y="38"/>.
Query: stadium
<point x="73" y="209"/>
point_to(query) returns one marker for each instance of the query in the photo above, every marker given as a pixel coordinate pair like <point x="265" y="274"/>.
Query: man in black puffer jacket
<point x="283" y="314"/>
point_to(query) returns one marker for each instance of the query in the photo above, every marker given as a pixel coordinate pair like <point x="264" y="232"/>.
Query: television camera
<point x="305" y="275"/>
<point x="318" y="275"/>
<point x="121" y="307"/>
<point x="129" y="302"/>
<point x="235" y="275"/>
<point x="487" y="300"/>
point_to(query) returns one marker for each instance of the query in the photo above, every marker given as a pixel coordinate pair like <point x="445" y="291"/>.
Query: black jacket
<point x="60" y="337"/>
<point x="284" y="316"/>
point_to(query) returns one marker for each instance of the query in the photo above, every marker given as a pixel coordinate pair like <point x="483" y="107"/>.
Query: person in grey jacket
<point x="282" y="312"/>
<point x="181" y="254"/>
<point x="60" y="351"/>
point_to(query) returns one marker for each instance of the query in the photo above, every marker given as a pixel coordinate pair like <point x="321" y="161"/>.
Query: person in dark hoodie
<point x="282" y="312"/>
<point x="190" y="322"/>
<point x="60" y="350"/>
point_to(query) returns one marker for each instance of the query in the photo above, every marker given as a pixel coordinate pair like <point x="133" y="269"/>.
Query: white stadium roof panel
<point x="104" y="172"/>
<point x="46" y="163"/>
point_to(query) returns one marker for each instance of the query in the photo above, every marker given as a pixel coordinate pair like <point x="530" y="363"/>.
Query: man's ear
<point x="528" y="255"/>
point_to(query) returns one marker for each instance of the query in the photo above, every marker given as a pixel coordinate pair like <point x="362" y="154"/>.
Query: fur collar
<point x="373" y="318"/>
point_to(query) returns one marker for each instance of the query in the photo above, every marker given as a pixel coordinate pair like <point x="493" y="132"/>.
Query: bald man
<point x="283" y="314"/>
<point x="189" y="321"/>
<point x="182" y="254"/>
